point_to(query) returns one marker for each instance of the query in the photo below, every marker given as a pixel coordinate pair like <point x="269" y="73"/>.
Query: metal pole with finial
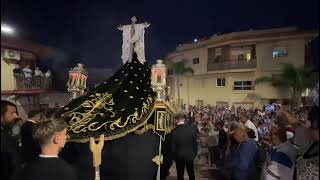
<point x="132" y="31"/>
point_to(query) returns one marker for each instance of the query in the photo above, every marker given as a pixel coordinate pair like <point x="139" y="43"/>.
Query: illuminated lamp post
<point x="77" y="82"/>
<point x="158" y="79"/>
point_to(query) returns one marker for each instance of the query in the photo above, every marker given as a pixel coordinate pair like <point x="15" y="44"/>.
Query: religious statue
<point x="118" y="119"/>
<point x="133" y="40"/>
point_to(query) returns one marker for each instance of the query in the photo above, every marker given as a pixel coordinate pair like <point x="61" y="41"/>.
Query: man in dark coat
<point x="184" y="147"/>
<point x="223" y="139"/>
<point x="30" y="148"/>
<point x="9" y="145"/>
<point x="167" y="157"/>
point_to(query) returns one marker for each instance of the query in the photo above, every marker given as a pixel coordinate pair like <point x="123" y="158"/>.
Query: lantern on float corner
<point x="158" y="79"/>
<point x="77" y="82"/>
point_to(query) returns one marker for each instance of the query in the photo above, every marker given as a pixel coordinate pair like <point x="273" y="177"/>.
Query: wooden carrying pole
<point x="96" y="154"/>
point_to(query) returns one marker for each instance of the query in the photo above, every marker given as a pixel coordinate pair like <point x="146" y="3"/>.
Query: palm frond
<point x="179" y="68"/>
<point x="188" y="70"/>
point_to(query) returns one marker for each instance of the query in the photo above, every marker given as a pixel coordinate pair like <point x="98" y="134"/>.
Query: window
<point x="195" y="60"/>
<point x="279" y="52"/>
<point x="218" y="52"/>
<point x="158" y="78"/>
<point x="241" y="53"/>
<point x="221" y="82"/>
<point x="248" y="56"/>
<point x="243" y="85"/>
<point x="217" y="59"/>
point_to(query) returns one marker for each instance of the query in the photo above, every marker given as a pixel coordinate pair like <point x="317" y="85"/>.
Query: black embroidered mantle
<point x="116" y="107"/>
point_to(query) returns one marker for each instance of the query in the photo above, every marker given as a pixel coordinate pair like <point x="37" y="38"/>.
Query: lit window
<point x="248" y="56"/>
<point x="279" y="52"/>
<point x="221" y="82"/>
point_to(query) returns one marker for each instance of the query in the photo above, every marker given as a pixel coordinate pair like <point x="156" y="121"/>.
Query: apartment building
<point x="226" y="66"/>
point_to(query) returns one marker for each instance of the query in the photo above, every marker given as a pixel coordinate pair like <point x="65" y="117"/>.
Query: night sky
<point x="86" y="30"/>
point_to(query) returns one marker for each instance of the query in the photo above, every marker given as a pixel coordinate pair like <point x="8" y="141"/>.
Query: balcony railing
<point x="32" y="83"/>
<point x="214" y="65"/>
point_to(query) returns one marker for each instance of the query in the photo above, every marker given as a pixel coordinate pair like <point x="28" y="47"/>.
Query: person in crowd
<point x="190" y="113"/>
<point x="167" y="158"/>
<point x="243" y="165"/>
<point x="260" y="129"/>
<point x="52" y="137"/>
<point x="213" y="144"/>
<point x="17" y="71"/>
<point x="260" y="157"/>
<point x="223" y="140"/>
<point x="48" y="74"/>
<point x="9" y="146"/>
<point x="38" y="72"/>
<point x="27" y="72"/>
<point x="30" y="148"/>
<point x="16" y="133"/>
<point x="307" y="142"/>
<point x="232" y="142"/>
<point x="16" y="129"/>
<point x="244" y="119"/>
<point x="282" y="158"/>
<point x="184" y="147"/>
<point x="250" y="133"/>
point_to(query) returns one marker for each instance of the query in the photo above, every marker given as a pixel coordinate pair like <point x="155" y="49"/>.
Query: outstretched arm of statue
<point x="146" y="24"/>
<point x="120" y="27"/>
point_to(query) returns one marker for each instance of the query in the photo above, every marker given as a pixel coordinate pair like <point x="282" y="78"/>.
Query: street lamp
<point x="6" y="29"/>
<point x="158" y="80"/>
<point x="77" y="82"/>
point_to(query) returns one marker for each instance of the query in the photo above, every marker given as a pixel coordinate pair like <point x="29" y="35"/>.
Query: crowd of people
<point x="245" y="144"/>
<point x="258" y="143"/>
<point x="27" y="78"/>
<point x="28" y="72"/>
<point x="30" y="148"/>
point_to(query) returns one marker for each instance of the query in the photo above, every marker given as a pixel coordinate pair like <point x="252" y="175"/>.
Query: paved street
<point x="202" y="172"/>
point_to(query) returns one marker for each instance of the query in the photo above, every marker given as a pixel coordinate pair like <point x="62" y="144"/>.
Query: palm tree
<point x="295" y="79"/>
<point x="179" y="69"/>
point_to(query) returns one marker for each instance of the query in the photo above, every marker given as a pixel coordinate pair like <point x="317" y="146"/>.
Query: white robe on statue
<point x="138" y="41"/>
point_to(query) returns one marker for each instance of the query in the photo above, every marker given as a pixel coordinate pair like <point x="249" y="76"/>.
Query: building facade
<point x="226" y="66"/>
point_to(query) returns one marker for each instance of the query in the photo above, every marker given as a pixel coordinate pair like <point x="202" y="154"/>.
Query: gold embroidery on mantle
<point x="81" y="121"/>
<point x="134" y="117"/>
<point x="107" y="138"/>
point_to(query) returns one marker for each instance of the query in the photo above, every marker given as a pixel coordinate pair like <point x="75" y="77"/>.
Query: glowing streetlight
<point x="6" y="29"/>
<point x="195" y="40"/>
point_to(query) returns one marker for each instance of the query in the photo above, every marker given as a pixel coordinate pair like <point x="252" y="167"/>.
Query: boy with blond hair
<point x="52" y="136"/>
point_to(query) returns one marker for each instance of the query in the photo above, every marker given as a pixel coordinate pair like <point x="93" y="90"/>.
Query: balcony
<point x="215" y="65"/>
<point x="34" y="83"/>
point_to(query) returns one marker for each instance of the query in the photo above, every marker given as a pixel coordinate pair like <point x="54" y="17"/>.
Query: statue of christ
<point x="133" y="40"/>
